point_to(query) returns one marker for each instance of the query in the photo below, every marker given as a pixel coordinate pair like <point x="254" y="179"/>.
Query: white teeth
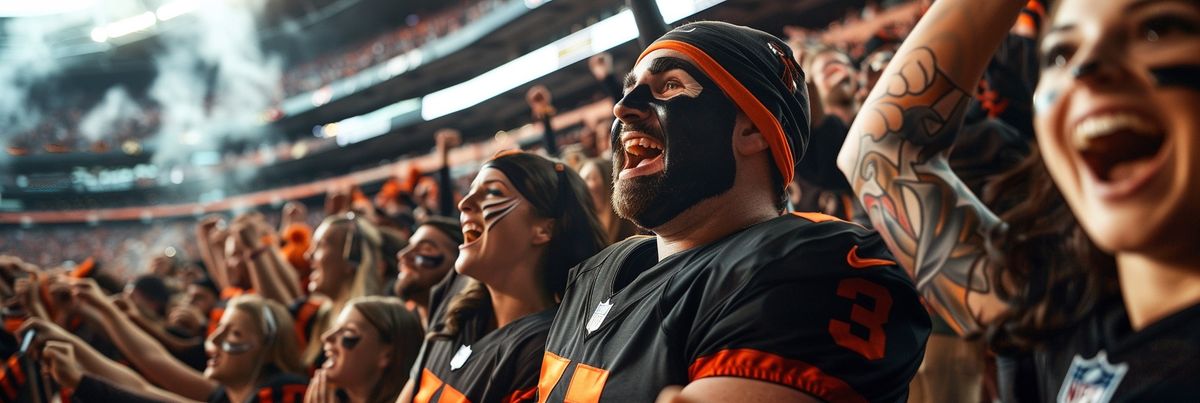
<point x="641" y="142"/>
<point x="1103" y="125"/>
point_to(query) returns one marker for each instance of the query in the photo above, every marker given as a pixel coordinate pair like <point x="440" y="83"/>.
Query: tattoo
<point x="933" y="224"/>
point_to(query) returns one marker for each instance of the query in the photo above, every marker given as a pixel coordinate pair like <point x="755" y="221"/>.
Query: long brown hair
<point x="1049" y="272"/>
<point x="555" y="191"/>
<point x="399" y="328"/>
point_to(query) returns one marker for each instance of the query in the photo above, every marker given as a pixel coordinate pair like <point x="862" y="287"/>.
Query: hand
<point x="294" y="212"/>
<point x="60" y="363"/>
<point x="601" y="65"/>
<point x="447" y="139"/>
<point x="209" y="223"/>
<point x="87" y="292"/>
<point x="319" y="390"/>
<point x="539" y="99"/>
<point x="186" y="317"/>
<point x="46" y="331"/>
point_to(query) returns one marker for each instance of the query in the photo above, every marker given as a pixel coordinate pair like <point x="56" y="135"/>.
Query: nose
<point x="634" y="106"/>
<point x="1101" y="65"/>
<point x="468" y="204"/>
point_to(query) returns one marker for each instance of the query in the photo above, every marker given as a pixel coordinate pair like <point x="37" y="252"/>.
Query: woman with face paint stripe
<point x="526" y="221"/>
<point x="1089" y="285"/>
<point x="369" y="349"/>
<point x="252" y="357"/>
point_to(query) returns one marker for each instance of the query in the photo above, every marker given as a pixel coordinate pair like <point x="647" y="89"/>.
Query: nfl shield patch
<point x="1092" y="380"/>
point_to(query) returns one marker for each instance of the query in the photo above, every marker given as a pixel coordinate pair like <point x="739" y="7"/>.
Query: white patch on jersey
<point x="1093" y="380"/>
<point x="598" y="316"/>
<point x="460" y="357"/>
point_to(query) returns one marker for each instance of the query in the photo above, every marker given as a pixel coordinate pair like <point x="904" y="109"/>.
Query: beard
<point x="407" y="288"/>
<point x="698" y="160"/>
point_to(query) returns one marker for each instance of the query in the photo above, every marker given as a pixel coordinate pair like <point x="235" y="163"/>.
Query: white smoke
<point x="117" y="109"/>
<point x="214" y="80"/>
<point x="27" y="58"/>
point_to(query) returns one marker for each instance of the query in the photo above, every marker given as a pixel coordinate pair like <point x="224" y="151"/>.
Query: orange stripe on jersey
<point x="586" y="384"/>
<point x="767" y="367"/>
<point x="553" y="367"/>
<point x="303" y="317"/>
<point x="14" y="364"/>
<point x="815" y="217"/>
<point x="429" y="387"/>
<point x="857" y="262"/>
<point x="291" y="392"/>
<point x="266" y="395"/>
<point x="522" y="395"/>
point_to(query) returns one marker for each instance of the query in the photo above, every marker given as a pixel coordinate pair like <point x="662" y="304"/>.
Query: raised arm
<point x="895" y="157"/>
<point x="149" y="357"/>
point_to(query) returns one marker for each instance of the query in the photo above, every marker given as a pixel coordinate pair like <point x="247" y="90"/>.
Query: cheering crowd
<point x="991" y="205"/>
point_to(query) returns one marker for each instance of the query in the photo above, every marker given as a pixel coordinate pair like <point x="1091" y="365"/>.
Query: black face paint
<point x="428" y="262"/>
<point x="1184" y="76"/>
<point x="698" y="158"/>
<point x="349" y="342"/>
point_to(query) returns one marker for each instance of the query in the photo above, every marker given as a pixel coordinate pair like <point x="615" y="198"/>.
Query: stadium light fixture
<point x="125" y="26"/>
<point x="176" y="8"/>
<point x="596" y="38"/>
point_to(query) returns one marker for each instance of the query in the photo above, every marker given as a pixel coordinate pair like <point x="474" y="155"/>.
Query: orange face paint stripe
<point x="755" y="110"/>
<point x="767" y="367"/>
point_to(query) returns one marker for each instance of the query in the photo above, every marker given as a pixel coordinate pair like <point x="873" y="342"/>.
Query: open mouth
<point x="471" y="233"/>
<point x="643" y="155"/>
<point x="1119" y="147"/>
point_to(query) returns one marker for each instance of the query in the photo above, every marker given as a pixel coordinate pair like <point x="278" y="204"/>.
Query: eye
<point x="494" y="192"/>
<point x="1162" y="27"/>
<point x="1057" y="56"/>
<point x="672" y="85"/>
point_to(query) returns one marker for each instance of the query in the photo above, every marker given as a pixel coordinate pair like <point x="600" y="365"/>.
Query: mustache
<point x="622" y="128"/>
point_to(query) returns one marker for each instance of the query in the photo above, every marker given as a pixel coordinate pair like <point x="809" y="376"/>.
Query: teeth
<point x="640" y="142"/>
<point x="1099" y="126"/>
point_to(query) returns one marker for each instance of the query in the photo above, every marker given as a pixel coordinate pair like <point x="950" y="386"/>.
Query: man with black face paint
<point x="427" y="266"/>
<point x="731" y="299"/>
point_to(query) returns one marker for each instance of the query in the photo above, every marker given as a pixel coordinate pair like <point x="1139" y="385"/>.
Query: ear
<point x="385" y="357"/>
<point x="747" y="139"/>
<point x="542" y="231"/>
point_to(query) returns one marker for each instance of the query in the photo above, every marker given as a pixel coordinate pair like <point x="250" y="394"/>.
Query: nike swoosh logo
<point x="857" y="262"/>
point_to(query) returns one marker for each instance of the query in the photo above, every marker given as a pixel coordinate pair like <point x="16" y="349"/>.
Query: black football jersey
<point x="1104" y="360"/>
<point x="499" y="366"/>
<point x="804" y="300"/>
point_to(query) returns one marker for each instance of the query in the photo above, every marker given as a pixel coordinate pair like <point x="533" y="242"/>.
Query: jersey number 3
<point x="872" y="347"/>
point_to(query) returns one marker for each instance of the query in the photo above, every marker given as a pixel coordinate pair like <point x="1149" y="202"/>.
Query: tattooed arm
<point x="895" y="157"/>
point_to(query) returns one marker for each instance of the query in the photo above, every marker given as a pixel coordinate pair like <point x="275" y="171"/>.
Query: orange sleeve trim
<point x="815" y="217"/>
<point x="265" y="395"/>
<point x="522" y="395"/>
<point x="857" y="262"/>
<point x="750" y="105"/>
<point x="767" y="367"/>
<point x="84" y="269"/>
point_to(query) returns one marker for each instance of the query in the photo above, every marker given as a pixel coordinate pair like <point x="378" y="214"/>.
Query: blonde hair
<point x="363" y="244"/>
<point x="275" y="323"/>
<point x="399" y="328"/>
